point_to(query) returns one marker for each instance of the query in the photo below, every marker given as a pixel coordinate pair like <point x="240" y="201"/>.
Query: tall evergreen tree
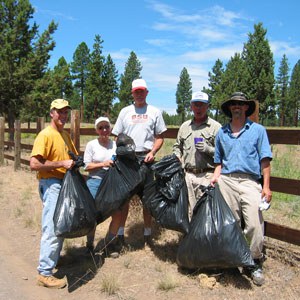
<point x="183" y="94"/>
<point x="110" y="86"/>
<point x="282" y="84"/>
<point x="61" y="80"/>
<point x="94" y="84"/>
<point x="215" y="90"/>
<point x="79" y="70"/>
<point x="132" y="71"/>
<point x="294" y="93"/>
<point x="23" y="54"/>
<point x="260" y="70"/>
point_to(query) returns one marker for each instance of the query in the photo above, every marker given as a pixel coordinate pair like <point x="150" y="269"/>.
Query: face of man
<point x="60" y="117"/>
<point x="238" y="109"/>
<point x="139" y="97"/>
<point x="200" y="110"/>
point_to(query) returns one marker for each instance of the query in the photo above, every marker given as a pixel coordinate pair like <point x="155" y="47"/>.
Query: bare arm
<point x="216" y="175"/>
<point x="37" y="163"/>
<point x="266" y="171"/>
<point x="98" y="165"/>
<point x="158" y="142"/>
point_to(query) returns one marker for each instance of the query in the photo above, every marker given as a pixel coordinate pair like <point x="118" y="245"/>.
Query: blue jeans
<point x="93" y="185"/>
<point x="51" y="245"/>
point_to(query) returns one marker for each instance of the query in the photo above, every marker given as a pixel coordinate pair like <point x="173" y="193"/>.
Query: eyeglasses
<point x="104" y="127"/>
<point x="239" y="103"/>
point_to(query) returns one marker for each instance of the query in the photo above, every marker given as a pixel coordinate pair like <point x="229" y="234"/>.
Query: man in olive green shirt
<point x="195" y="146"/>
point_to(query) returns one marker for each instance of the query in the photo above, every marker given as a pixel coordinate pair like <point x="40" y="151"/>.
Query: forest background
<point x="92" y="84"/>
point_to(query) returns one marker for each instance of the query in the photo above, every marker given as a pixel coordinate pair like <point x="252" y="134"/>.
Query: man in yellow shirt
<point x="50" y="158"/>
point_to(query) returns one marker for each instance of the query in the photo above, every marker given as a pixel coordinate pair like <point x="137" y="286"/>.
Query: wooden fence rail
<point x="276" y="136"/>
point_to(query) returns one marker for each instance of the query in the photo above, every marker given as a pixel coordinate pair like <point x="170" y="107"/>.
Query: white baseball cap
<point x="139" y="84"/>
<point x="200" y="97"/>
<point x="101" y="119"/>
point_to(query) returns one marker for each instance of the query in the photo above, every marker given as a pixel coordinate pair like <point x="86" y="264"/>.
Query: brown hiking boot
<point x="51" y="282"/>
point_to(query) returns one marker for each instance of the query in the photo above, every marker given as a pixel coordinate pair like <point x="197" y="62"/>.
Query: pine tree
<point x="183" y="94"/>
<point x="132" y="71"/>
<point x="260" y="70"/>
<point x="294" y="93"/>
<point x="23" y="55"/>
<point x="61" y="80"/>
<point x="282" y="82"/>
<point x="215" y="90"/>
<point x="94" y="83"/>
<point x="110" y="85"/>
<point x="79" y="70"/>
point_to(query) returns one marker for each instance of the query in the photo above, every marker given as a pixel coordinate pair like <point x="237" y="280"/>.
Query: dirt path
<point x="137" y="274"/>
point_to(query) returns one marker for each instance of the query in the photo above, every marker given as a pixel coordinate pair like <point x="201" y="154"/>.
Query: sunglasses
<point x="104" y="127"/>
<point x="239" y="103"/>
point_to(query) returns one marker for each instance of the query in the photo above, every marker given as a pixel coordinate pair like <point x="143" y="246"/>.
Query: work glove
<point x="203" y="147"/>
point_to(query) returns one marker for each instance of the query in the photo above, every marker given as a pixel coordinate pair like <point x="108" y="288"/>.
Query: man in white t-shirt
<point x="145" y="125"/>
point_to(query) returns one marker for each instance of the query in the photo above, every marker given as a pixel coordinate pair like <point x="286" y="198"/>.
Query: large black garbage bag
<point x="125" y="147"/>
<point x="75" y="210"/>
<point x="169" y="195"/>
<point x="215" y="239"/>
<point x="120" y="182"/>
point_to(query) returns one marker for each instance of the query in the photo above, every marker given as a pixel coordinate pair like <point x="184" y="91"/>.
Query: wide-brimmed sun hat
<point x="238" y="96"/>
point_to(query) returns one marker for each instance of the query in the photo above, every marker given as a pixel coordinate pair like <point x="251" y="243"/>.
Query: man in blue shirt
<point x="242" y="153"/>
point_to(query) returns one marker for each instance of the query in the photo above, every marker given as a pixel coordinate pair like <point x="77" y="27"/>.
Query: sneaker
<point x="120" y="244"/>
<point x="258" y="276"/>
<point x="148" y="242"/>
<point x="51" y="282"/>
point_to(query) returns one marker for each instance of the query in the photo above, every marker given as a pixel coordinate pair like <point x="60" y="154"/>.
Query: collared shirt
<point x="184" y="146"/>
<point x="242" y="153"/>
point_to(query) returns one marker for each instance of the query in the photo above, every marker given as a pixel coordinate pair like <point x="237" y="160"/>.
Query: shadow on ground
<point x="80" y="265"/>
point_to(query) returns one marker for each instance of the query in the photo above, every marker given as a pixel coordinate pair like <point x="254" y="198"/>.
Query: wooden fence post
<point x="75" y="128"/>
<point x="40" y="125"/>
<point x="17" y="160"/>
<point x="2" y="127"/>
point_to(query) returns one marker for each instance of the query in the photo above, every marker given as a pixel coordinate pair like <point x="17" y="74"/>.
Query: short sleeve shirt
<point x="141" y="124"/>
<point x="242" y="153"/>
<point x="53" y="145"/>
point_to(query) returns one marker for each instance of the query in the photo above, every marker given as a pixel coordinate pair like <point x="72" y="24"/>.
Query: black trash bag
<point x="215" y="239"/>
<point x="167" y="166"/>
<point x="75" y="211"/>
<point x="125" y="147"/>
<point x="169" y="195"/>
<point x="118" y="185"/>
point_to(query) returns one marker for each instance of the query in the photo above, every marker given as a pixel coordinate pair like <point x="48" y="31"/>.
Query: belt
<point x="197" y="171"/>
<point x="142" y="152"/>
<point x="239" y="175"/>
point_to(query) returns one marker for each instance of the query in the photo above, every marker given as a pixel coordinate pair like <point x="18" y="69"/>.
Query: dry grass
<point x="137" y="274"/>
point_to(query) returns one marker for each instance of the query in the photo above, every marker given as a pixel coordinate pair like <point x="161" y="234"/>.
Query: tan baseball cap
<point x="59" y="104"/>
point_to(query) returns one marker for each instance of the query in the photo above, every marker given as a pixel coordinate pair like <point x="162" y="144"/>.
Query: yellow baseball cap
<point x="59" y="104"/>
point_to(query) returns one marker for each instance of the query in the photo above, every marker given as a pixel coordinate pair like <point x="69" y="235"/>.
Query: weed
<point x="109" y="284"/>
<point x="167" y="283"/>
<point x="29" y="223"/>
<point x="18" y="212"/>
<point x="127" y="262"/>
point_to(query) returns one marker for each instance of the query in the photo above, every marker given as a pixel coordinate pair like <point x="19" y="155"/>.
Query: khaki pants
<point x="193" y="182"/>
<point x="243" y="195"/>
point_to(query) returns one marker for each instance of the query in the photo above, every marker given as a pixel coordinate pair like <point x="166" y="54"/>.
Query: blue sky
<point x="170" y="35"/>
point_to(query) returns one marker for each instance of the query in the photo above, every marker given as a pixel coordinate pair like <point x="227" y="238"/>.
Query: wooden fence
<point x="276" y="136"/>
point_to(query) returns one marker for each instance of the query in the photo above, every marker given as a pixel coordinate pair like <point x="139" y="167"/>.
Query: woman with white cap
<point x="98" y="158"/>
